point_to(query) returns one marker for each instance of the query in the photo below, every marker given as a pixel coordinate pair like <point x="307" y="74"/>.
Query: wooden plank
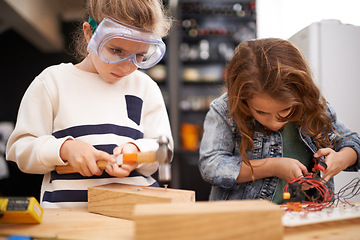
<point x="344" y="230"/>
<point x="241" y="219"/>
<point x="73" y="224"/>
<point x="119" y="200"/>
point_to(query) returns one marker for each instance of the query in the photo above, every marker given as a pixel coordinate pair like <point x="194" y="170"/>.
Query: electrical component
<point x="317" y="196"/>
<point x="294" y="192"/>
<point x="341" y="211"/>
<point x="348" y="191"/>
<point x="294" y="206"/>
<point x="326" y="207"/>
<point x="20" y="210"/>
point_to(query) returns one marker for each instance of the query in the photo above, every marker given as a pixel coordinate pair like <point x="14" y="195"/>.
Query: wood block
<point x="118" y="200"/>
<point x="240" y="219"/>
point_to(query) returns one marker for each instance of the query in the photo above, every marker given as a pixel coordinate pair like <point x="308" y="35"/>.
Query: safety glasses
<point x="111" y="41"/>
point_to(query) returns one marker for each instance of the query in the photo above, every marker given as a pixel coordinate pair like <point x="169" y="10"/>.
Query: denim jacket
<point x="220" y="159"/>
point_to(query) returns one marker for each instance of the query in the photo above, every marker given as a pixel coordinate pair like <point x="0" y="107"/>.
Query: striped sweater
<point x="63" y="103"/>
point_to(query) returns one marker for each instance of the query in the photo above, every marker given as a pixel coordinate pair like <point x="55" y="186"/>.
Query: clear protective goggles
<point x="110" y="35"/>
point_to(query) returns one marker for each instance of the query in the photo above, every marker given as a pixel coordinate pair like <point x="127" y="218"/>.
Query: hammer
<point x="163" y="155"/>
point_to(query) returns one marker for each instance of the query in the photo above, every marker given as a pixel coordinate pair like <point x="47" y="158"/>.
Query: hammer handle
<point x="127" y="158"/>
<point x="140" y="157"/>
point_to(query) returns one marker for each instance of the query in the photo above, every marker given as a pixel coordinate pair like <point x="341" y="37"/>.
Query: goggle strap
<point x="93" y="24"/>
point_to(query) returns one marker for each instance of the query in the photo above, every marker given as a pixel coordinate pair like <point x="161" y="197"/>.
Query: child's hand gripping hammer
<point x="163" y="155"/>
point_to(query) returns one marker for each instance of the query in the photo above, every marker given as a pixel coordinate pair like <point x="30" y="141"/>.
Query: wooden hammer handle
<point x="66" y="169"/>
<point x="142" y="157"/>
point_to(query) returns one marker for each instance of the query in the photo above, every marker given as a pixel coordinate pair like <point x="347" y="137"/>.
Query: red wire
<point x="325" y="193"/>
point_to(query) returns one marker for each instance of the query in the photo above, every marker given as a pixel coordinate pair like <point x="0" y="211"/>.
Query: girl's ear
<point x="87" y="31"/>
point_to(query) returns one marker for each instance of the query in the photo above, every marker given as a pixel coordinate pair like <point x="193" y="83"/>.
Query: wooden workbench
<point x="338" y="230"/>
<point x="73" y="224"/>
<point x="80" y="224"/>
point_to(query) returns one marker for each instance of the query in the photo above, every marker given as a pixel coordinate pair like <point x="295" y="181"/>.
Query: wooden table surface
<point x="337" y="230"/>
<point x="73" y="224"/>
<point x="80" y="224"/>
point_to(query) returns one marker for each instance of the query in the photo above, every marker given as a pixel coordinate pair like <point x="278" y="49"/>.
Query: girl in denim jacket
<point x="269" y="125"/>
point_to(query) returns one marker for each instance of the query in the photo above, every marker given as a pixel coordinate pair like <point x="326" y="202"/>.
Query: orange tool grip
<point x="130" y="158"/>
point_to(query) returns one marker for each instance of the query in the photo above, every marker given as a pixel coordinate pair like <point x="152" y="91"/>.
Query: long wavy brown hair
<point x="277" y="68"/>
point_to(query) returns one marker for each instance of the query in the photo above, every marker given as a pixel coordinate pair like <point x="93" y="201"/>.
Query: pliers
<point x="319" y="165"/>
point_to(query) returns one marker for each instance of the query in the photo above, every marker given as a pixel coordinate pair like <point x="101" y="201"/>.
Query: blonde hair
<point x="277" y="68"/>
<point x="147" y="14"/>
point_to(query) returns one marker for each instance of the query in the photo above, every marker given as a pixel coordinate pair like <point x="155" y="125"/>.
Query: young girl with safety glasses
<point x="97" y="109"/>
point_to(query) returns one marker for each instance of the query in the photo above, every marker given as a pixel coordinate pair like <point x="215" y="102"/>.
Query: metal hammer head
<point x="164" y="156"/>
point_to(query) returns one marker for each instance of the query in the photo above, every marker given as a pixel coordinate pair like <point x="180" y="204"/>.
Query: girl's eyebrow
<point x="257" y="110"/>
<point x="121" y="49"/>
<point x="286" y="109"/>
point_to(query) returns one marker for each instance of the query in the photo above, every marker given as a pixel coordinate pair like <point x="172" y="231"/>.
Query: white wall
<point x="283" y="18"/>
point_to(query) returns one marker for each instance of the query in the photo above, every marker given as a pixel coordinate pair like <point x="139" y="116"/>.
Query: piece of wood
<point x="241" y="219"/>
<point x="119" y="200"/>
<point x="73" y="224"/>
<point x="345" y="230"/>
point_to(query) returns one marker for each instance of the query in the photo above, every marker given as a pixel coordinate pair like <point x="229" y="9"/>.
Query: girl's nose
<point x="125" y="66"/>
<point x="274" y="123"/>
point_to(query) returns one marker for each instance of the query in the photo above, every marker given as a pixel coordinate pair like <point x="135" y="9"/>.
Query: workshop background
<point x="35" y="34"/>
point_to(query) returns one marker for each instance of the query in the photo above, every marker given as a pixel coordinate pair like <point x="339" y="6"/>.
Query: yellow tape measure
<point x="20" y="210"/>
